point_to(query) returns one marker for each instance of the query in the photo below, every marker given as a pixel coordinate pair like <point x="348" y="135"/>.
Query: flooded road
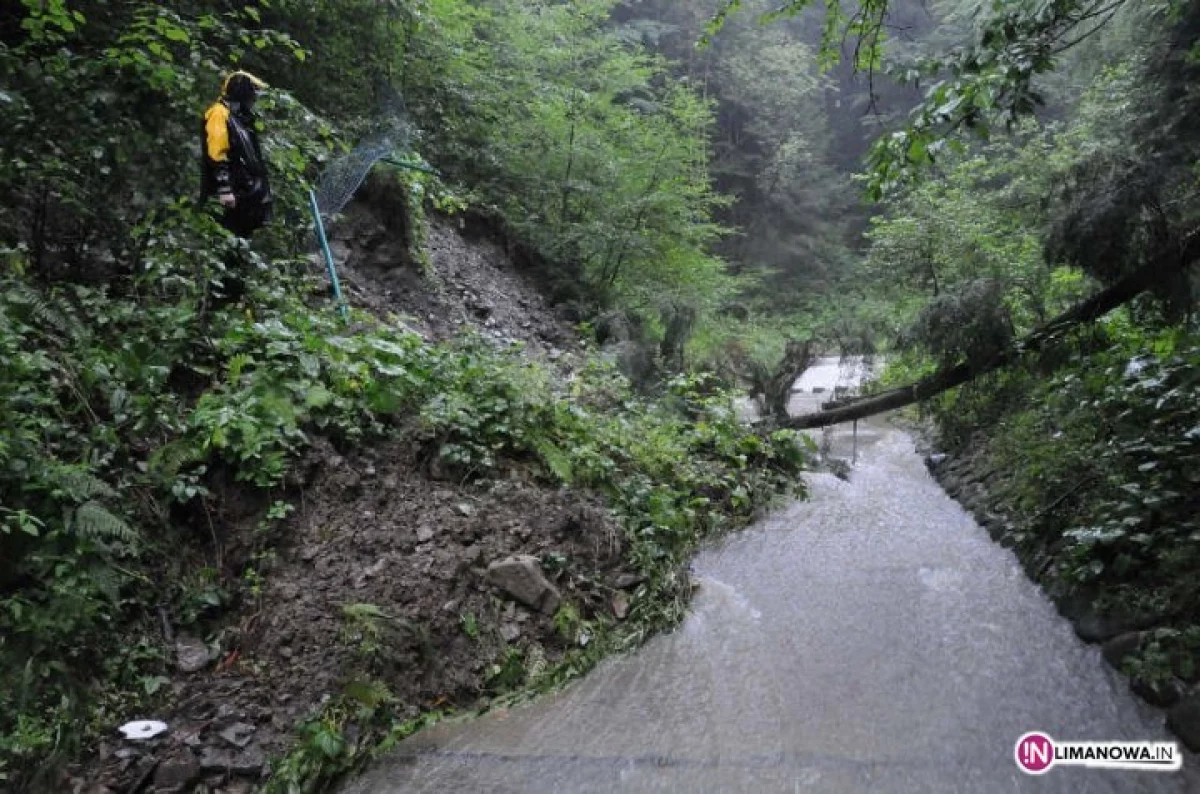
<point x="870" y="639"/>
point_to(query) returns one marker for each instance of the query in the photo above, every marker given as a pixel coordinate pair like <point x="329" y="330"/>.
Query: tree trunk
<point x="948" y="378"/>
<point x="564" y="212"/>
<point x="775" y="385"/>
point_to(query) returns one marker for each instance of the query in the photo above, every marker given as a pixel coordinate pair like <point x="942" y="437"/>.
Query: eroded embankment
<point x="379" y="574"/>
<point x="984" y="487"/>
<point x="871" y="638"/>
<point x="513" y="522"/>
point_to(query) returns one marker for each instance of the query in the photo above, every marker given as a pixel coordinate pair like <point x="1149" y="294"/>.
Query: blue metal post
<point x="333" y="276"/>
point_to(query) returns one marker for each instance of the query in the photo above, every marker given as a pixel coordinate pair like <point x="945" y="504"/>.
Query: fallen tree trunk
<point x="948" y="378"/>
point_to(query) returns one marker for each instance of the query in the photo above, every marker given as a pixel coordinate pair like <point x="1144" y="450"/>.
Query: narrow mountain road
<point x="871" y="639"/>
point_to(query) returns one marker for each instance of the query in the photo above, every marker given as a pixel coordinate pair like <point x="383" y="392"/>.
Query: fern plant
<point x="95" y="522"/>
<point x="77" y="484"/>
<point x="55" y="316"/>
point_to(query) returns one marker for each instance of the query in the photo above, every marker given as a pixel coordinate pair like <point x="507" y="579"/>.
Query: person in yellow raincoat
<point x="234" y="169"/>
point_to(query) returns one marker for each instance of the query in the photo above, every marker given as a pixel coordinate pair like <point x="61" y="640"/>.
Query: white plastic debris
<point x="141" y="730"/>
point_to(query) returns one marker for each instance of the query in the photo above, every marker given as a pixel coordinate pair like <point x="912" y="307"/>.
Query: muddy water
<point x="870" y="639"/>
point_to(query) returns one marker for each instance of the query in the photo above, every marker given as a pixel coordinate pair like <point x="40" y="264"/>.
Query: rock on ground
<point x="178" y="773"/>
<point x="522" y="578"/>
<point x="191" y="655"/>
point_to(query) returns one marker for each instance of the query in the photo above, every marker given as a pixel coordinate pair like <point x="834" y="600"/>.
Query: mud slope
<point x="472" y="284"/>
<point x="380" y="572"/>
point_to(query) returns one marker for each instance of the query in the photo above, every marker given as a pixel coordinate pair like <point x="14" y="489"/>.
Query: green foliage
<point x="1100" y="465"/>
<point x="1143" y="447"/>
<point x="579" y="142"/>
<point x="508" y="673"/>
<point x="568" y="623"/>
<point x="994" y="78"/>
<point x="371" y="632"/>
<point x="1166" y="654"/>
<point x="129" y="402"/>
<point x="470" y="624"/>
<point x="324" y="754"/>
<point x="960" y="258"/>
<point x="776" y="150"/>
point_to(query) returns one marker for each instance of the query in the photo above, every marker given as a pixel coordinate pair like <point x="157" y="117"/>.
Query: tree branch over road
<point x="948" y="378"/>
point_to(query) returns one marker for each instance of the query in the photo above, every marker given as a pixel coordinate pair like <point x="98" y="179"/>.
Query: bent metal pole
<point x="333" y="276"/>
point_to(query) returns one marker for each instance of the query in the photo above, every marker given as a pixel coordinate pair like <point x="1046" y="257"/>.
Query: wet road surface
<point x="871" y="639"/>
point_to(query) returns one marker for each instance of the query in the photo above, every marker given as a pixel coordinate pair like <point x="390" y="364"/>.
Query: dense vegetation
<point x="700" y="203"/>
<point x="132" y="404"/>
<point x="787" y="137"/>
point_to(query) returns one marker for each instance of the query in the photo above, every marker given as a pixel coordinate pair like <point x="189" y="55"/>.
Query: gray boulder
<point x="177" y="774"/>
<point x="1121" y="647"/>
<point x="191" y="655"/>
<point x="522" y="578"/>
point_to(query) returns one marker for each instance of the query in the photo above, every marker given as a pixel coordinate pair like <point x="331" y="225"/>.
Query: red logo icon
<point x="1035" y="753"/>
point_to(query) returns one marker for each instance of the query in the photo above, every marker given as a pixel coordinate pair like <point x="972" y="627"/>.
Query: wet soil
<point x="471" y="284"/>
<point x="379" y="574"/>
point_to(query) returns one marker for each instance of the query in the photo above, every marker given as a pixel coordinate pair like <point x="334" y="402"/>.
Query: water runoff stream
<point x="869" y="639"/>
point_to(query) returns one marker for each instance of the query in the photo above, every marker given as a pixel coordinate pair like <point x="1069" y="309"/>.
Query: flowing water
<point x="872" y="638"/>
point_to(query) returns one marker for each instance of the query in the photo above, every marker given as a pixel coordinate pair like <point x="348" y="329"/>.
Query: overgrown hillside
<point x="204" y="502"/>
<point x="1081" y="451"/>
<point x="196" y="496"/>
